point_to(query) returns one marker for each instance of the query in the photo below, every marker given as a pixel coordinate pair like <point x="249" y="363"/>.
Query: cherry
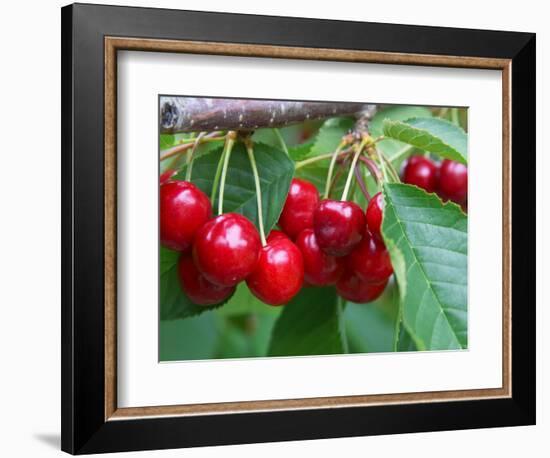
<point x="320" y="269"/>
<point x="422" y="172"/>
<point x="375" y="211"/>
<point x="165" y="177"/>
<point x="183" y="209"/>
<point x="279" y="273"/>
<point x="338" y="226"/>
<point x="300" y="204"/>
<point x="275" y="234"/>
<point x="353" y="289"/>
<point x="370" y="260"/>
<point x="197" y="287"/>
<point x="226" y="249"/>
<point x="453" y="181"/>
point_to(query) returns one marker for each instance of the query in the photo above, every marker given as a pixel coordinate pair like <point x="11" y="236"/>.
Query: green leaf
<point x="244" y="302"/>
<point x="432" y="239"/>
<point x="267" y="137"/>
<point x="194" y="338"/>
<point x="274" y="167"/>
<point x="395" y="150"/>
<point x="168" y="140"/>
<point x="404" y="341"/>
<point x="301" y="151"/>
<point x="310" y="324"/>
<point x="434" y="135"/>
<point x="330" y="135"/>
<point x="316" y="173"/>
<point x="244" y="336"/>
<point x="370" y="327"/>
<point x="176" y="162"/>
<point x="168" y="259"/>
<point x="395" y="113"/>
<point x="174" y="303"/>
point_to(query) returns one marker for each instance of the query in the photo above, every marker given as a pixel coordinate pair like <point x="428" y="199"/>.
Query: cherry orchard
<point x="245" y="215"/>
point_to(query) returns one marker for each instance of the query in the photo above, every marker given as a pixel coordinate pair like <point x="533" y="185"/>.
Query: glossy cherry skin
<point x="197" y="287"/>
<point x="375" y="212"/>
<point x="279" y="273"/>
<point x="165" y="177"/>
<point x="300" y="204"/>
<point x="320" y="269"/>
<point x="370" y="260"/>
<point x="275" y="234"/>
<point x="338" y="226"/>
<point x="226" y="249"/>
<point x="354" y="289"/>
<point x="422" y="172"/>
<point x="184" y="208"/>
<point x="453" y="181"/>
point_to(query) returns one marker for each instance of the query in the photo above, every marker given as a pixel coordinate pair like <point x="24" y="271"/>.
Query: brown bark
<point x="193" y="114"/>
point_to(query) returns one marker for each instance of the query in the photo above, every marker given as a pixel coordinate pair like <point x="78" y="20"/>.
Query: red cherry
<point x="165" y="177"/>
<point x="275" y="234"/>
<point x="422" y="172"/>
<point x="197" y="287"/>
<point x="370" y="260"/>
<point x="338" y="226"/>
<point x="453" y="181"/>
<point x="353" y="289"/>
<point x="375" y="211"/>
<point x="320" y="269"/>
<point x="300" y="204"/>
<point x="279" y="273"/>
<point x="226" y="249"/>
<point x="183" y="209"/>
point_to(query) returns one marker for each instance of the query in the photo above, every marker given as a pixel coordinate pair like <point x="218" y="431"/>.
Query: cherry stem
<point x="230" y="141"/>
<point x="178" y="149"/>
<point x="361" y="182"/>
<point x="277" y="133"/>
<point x="338" y="174"/>
<point x="191" y="156"/>
<point x="250" y="151"/>
<point x="372" y="168"/>
<point x="314" y="159"/>
<point x="331" y="168"/>
<point x="390" y="166"/>
<point x="350" y="174"/>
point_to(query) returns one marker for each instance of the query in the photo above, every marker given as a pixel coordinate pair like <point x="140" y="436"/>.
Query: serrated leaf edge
<point x="420" y="344"/>
<point x="424" y="131"/>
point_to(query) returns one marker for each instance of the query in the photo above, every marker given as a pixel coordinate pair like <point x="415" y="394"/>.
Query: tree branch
<point x="192" y="114"/>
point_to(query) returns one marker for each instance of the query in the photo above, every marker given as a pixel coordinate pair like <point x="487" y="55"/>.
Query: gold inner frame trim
<point x="114" y="44"/>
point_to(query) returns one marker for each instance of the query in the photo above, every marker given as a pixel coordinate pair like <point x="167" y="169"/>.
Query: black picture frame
<point x="84" y="428"/>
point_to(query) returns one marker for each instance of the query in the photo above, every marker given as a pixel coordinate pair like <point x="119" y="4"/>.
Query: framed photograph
<point x="281" y="229"/>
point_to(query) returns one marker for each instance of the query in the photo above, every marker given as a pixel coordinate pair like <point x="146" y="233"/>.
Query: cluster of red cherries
<point x="449" y="179"/>
<point x="321" y="242"/>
